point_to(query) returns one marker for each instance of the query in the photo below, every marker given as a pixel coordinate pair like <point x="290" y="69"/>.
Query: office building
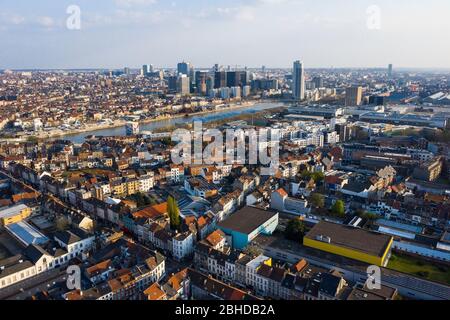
<point x="246" y="224"/>
<point x="201" y="87"/>
<point x="350" y="242"/>
<point x="390" y="70"/>
<point x="172" y="84"/>
<point x="236" y="92"/>
<point x="220" y="79"/>
<point x="298" y="79"/>
<point x="318" y="82"/>
<point x="378" y="100"/>
<point x="225" y="93"/>
<point x="353" y="96"/>
<point x="246" y="91"/>
<point x="265" y="84"/>
<point x="237" y="78"/>
<point x="184" y="68"/>
<point x="183" y="85"/>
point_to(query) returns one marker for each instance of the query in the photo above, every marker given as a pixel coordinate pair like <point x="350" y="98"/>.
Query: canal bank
<point x="152" y="125"/>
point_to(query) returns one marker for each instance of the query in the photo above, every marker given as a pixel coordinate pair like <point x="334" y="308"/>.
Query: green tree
<point x="338" y="208"/>
<point x="305" y="174"/>
<point x="295" y="230"/>
<point x="174" y="213"/>
<point x="366" y="215"/>
<point x="253" y="250"/>
<point x="318" y="176"/>
<point x="62" y="223"/>
<point x="318" y="200"/>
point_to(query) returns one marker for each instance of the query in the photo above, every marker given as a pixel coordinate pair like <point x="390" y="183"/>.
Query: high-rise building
<point x="225" y="93"/>
<point x="265" y="84"/>
<point x="232" y="79"/>
<point x="390" y="70"/>
<point x="378" y="100"/>
<point x="237" y="78"/>
<point x="353" y="96"/>
<point x="246" y="91"/>
<point x="220" y="79"/>
<point x="184" y="68"/>
<point x="236" y="92"/>
<point x="209" y="84"/>
<point x="172" y="83"/>
<point x="183" y="85"/>
<point x="146" y="69"/>
<point x="200" y="82"/>
<point x="318" y="82"/>
<point x="298" y="78"/>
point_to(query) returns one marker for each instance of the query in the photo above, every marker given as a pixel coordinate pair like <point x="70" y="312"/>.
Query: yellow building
<point x="132" y="186"/>
<point x="119" y="188"/>
<point x="354" y="243"/>
<point x="14" y="214"/>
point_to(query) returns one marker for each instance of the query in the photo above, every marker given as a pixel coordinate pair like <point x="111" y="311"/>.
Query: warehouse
<point x="246" y="224"/>
<point x="350" y="242"/>
<point x="14" y="214"/>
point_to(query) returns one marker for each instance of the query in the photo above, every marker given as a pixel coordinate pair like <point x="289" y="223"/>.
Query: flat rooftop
<point x="12" y="211"/>
<point x="26" y="233"/>
<point x="247" y="220"/>
<point x="372" y="243"/>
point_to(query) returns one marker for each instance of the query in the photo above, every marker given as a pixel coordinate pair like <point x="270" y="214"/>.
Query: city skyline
<point x="117" y="33"/>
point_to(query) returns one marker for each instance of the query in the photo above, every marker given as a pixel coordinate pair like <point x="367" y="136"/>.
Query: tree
<point x="142" y="199"/>
<point x="295" y="230"/>
<point x="253" y="250"/>
<point x="174" y="213"/>
<point x="318" y="200"/>
<point x="62" y="224"/>
<point x="318" y="176"/>
<point x="338" y="208"/>
<point x="366" y="215"/>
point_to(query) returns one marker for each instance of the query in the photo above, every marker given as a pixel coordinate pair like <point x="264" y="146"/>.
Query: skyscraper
<point x="172" y="83"/>
<point x="390" y="70"/>
<point x="200" y="82"/>
<point x="183" y="85"/>
<point x="220" y="79"/>
<point x="146" y="69"/>
<point x="184" y="68"/>
<point x="187" y="69"/>
<point x="298" y="78"/>
<point x="353" y="96"/>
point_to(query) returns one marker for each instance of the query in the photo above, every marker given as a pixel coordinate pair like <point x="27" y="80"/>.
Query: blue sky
<point x="324" y="33"/>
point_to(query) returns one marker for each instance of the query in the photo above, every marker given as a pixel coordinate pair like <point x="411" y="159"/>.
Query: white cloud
<point x="46" y="22"/>
<point x="131" y="3"/>
<point x="11" y="19"/>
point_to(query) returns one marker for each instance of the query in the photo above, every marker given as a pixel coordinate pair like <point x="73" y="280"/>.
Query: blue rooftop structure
<point x="26" y="233"/>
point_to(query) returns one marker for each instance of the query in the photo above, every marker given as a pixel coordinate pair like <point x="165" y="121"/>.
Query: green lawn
<point x="420" y="268"/>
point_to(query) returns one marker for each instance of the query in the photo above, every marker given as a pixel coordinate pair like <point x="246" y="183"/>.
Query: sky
<point x="322" y="33"/>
